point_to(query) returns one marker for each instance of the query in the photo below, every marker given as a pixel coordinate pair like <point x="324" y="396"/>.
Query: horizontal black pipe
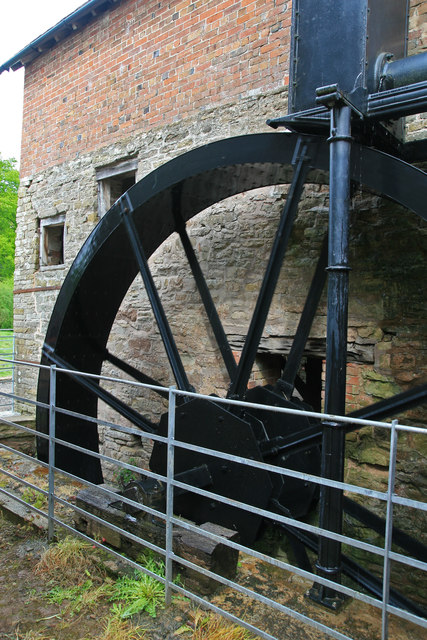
<point x="377" y="411"/>
<point x="410" y="70"/>
<point x="399" y="102"/>
<point x="392" y="406"/>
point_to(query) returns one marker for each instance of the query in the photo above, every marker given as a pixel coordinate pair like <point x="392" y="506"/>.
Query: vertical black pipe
<point x="333" y="440"/>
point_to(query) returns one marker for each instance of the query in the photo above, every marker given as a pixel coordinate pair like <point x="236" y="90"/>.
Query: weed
<point x="152" y="562"/>
<point x="122" y="476"/>
<point x="57" y="595"/>
<point x="81" y="596"/>
<point x="137" y="594"/>
<point x="206" y="625"/>
<point x="35" y="498"/>
<point x="142" y="592"/>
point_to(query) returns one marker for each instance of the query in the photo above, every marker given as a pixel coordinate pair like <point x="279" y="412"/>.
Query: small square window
<point x="113" y="182"/>
<point x="52" y="231"/>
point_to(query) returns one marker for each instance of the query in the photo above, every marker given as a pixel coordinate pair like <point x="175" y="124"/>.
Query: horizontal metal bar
<point x="125" y="410"/>
<point x="21" y="426"/>
<point x="222" y="612"/>
<point x="277" y="563"/>
<point x="257" y="464"/>
<point x="406" y="615"/>
<point x="24" y="482"/>
<point x="100" y="377"/>
<point x="110" y="525"/>
<point x="27" y="363"/>
<point x="411" y="562"/>
<point x="25" y="504"/>
<point x="24" y="455"/>
<point x="117" y="555"/>
<point x="34" y="403"/>
<point x="260" y="598"/>
<point x="100" y="456"/>
<point x="118" y="498"/>
<point x="323" y="417"/>
<point x="407" y="502"/>
<point x="105" y="423"/>
<point x="279" y="518"/>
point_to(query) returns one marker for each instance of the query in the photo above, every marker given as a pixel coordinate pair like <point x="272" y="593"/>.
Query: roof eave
<point x="60" y="31"/>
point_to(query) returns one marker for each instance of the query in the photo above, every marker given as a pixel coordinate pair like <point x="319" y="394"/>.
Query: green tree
<point x="9" y="183"/>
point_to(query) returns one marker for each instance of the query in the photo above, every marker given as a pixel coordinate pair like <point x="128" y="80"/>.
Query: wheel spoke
<point x="301" y="165"/>
<point x="92" y="385"/>
<point x="156" y="305"/>
<point x="286" y="382"/>
<point x="414" y="547"/>
<point x="203" y="288"/>
<point x="391" y="406"/>
<point x="134" y="373"/>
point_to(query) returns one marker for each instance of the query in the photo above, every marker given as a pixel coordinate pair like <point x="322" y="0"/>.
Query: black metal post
<point x="333" y="439"/>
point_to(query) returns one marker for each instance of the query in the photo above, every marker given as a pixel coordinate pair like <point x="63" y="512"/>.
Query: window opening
<point x="52" y="233"/>
<point x="113" y="182"/>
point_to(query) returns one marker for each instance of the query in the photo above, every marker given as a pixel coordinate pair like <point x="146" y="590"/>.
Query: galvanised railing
<point x="389" y="497"/>
<point x="7" y="368"/>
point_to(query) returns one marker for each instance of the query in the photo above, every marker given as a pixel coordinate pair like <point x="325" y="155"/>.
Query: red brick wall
<point x="147" y="63"/>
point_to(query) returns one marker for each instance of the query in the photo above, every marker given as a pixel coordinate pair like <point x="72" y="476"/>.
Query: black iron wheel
<point x="152" y="210"/>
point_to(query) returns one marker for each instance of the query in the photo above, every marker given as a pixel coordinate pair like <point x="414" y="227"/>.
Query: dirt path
<point x="23" y="604"/>
<point x="24" y="608"/>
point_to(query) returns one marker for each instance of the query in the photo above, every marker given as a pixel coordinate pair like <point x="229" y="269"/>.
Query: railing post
<point x="51" y="460"/>
<point x="389" y="528"/>
<point x="169" y="495"/>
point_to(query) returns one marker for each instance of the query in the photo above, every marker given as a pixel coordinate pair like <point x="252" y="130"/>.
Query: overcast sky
<point x="20" y="23"/>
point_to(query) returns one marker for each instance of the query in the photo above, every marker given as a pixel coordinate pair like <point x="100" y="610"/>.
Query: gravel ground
<point x="5" y="387"/>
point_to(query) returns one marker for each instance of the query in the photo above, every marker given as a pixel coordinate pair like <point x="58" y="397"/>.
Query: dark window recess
<point x="267" y="368"/>
<point x="53" y="244"/>
<point x="119" y="185"/>
<point x="113" y="182"/>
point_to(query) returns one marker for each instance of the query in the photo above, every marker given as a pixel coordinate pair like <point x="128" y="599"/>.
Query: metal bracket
<point x="331" y="95"/>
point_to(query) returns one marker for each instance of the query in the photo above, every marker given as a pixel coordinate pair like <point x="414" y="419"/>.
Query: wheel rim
<point x="88" y="301"/>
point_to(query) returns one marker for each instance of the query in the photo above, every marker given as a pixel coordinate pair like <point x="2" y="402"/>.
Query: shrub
<point x="6" y="303"/>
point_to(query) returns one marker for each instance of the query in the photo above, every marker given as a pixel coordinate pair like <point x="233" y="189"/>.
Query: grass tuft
<point x="70" y="562"/>
<point x="208" y="626"/>
<point x="116" y="629"/>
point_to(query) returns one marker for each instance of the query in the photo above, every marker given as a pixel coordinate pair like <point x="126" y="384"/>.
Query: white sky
<point x="20" y="23"/>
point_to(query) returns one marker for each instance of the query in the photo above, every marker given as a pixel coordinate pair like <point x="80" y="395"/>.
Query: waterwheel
<point x="119" y="248"/>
